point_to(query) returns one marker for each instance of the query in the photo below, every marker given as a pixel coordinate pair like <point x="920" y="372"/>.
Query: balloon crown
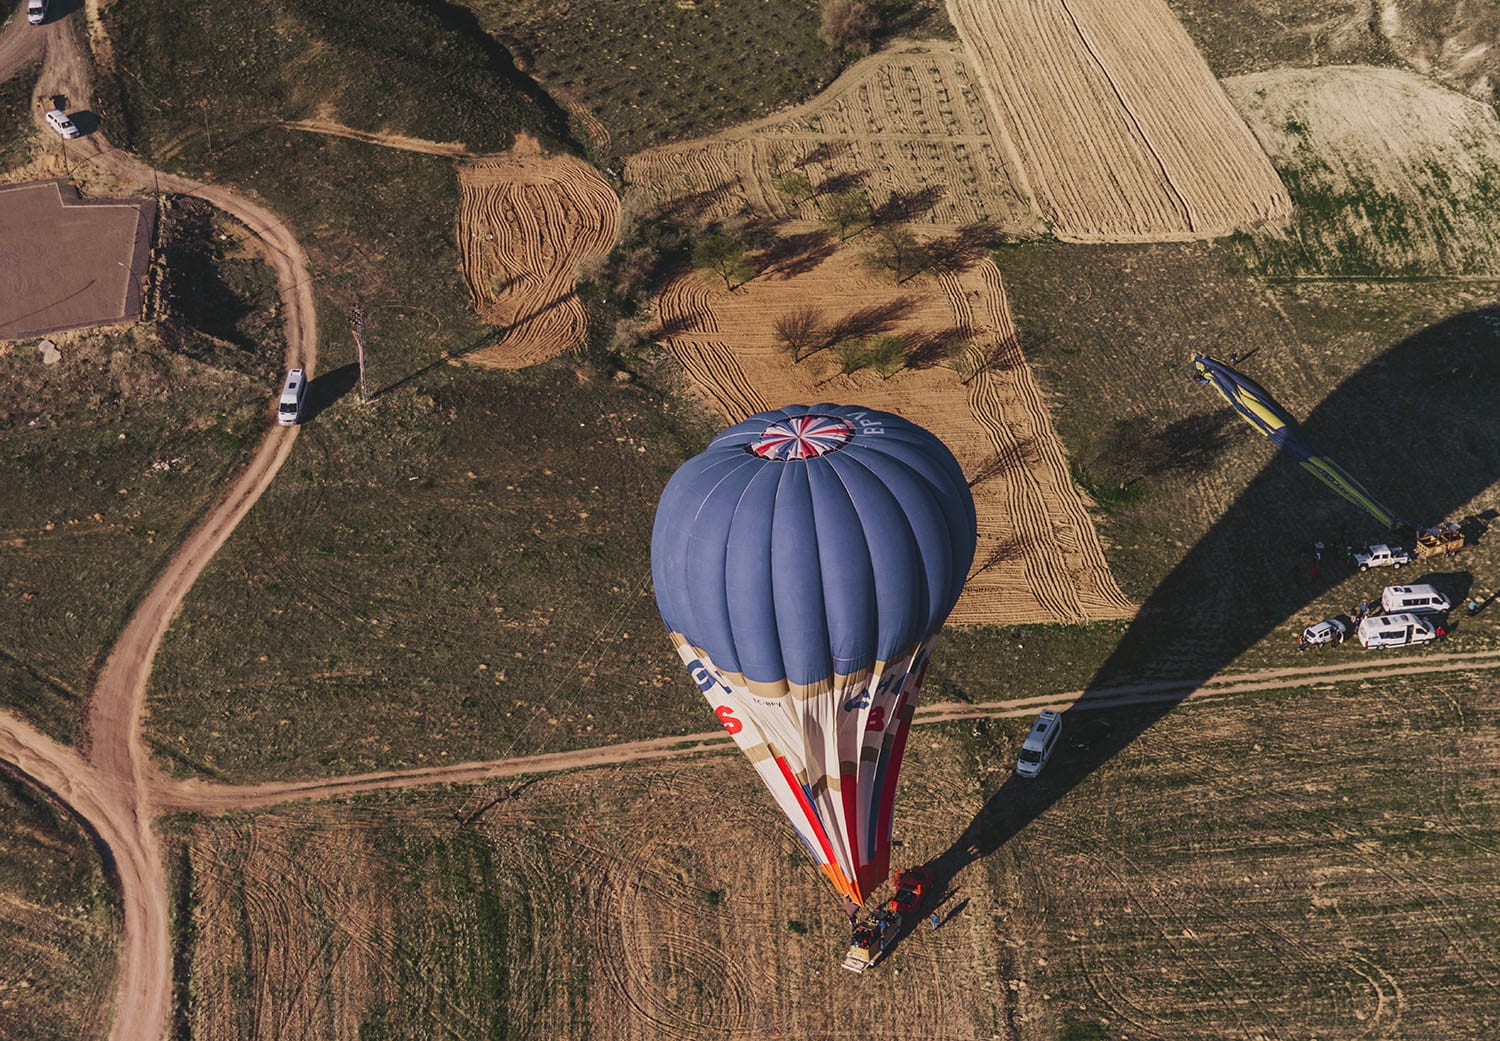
<point x="802" y="437"/>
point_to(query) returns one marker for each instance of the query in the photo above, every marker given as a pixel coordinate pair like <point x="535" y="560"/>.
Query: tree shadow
<point x="1243" y="578"/>
<point x="902" y="206"/>
<point x="963" y="249"/>
<point x="869" y="321"/>
<point x="795" y="254"/>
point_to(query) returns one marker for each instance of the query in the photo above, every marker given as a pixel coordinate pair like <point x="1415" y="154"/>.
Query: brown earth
<point x="1125" y="901"/>
<point x="1412" y="167"/>
<point x="1038" y="558"/>
<point x="526" y="223"/>
<point x="1123" y="132"/>
<point x="909" y="126"/>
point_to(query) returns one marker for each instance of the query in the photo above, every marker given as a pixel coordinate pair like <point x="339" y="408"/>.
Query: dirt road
<point x="112" y="790"/>
<point x="196" y="796"/>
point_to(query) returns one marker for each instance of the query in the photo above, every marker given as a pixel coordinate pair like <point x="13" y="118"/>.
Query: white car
<point x="1040" y="743"/>
<point x="36" y="11"/>
<point x="1331" y="631"/>
<point x="1395" y="630"/>
<point x="58" y="120"/>
<point x="1381" y="555"/>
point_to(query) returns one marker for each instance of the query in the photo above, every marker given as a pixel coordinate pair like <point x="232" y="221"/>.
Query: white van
<point x="292" y="393"/>
<point x="36" y="11"/>
<point x="1040" y="743"/>
<point x="1423" y="599"/>
<point x="1395" y="630"/>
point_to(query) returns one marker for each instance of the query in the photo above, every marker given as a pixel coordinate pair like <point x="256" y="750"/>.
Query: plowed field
<point x="1223" y="875"/>
<point x="1039" y="559"/>
<point x="908" y="125"/>
<point x="1123" y="132"/>
<point x="1392" y="173"/>
<point x="525" y="223"/>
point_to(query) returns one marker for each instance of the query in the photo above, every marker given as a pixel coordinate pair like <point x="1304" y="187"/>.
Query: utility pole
<point x="357" y="326"/>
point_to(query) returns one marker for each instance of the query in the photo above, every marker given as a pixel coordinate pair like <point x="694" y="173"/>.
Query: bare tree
<point x="797" y="331"/>
<point x="849" y="25"/>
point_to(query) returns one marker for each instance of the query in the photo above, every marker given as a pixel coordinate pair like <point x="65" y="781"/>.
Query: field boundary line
<point x="198" y="796"/>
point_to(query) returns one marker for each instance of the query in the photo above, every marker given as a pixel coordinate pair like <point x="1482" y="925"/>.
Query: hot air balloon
<point x="803" y="564"/>
<point x="1262" y="412"/>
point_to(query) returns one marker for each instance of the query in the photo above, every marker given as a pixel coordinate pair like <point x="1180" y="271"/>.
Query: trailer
<point x="1441" y="541"/>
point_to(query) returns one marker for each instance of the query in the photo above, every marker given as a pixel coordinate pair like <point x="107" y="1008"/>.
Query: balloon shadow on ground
<point x="1420" y="425"/>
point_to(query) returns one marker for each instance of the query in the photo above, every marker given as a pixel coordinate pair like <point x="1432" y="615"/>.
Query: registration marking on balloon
<point x="843" y="818"/>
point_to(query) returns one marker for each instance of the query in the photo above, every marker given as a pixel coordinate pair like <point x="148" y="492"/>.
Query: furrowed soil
<point x="58" y="926"/>
<point x="909" y="126"/>
<point x="525" y="225"/>
<point x="1242" y="865"/>
<point x="1391" y="173"/>
<point x="1038" y="558"/>
<point x="1123" y="132"/>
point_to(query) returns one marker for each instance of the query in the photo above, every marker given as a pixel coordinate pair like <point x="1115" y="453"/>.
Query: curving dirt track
<point x="908" y="123"/>
<point x="1039" y="557"/>
<point x="1123" y="131"/>
<point x="526" y="223"/>
<point x="112" y="792"/>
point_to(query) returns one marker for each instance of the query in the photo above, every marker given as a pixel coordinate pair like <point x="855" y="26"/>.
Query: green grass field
<point x="194" y="74"/>
<point x="58" y="926"/>
<point x="458" y="571"/>
<point x="661" y="72"/>
<point x="16" y="128"/>
<point x="119" y="447"/>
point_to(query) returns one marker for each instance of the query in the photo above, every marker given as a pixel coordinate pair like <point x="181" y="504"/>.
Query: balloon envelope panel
<point x="803" y="564"/>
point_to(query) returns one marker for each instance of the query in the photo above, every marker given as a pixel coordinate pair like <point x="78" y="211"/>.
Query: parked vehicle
<point x="36" y="11"/>
<point x="1380" y="555"/>
<point x="1395" y="630"/>
<point x="58" y="120"/>
<point x="289" y="412"/>
<point x="1333" y="630"/>
<point x="1040" y="743"/>
<point x="1419" y="599"/>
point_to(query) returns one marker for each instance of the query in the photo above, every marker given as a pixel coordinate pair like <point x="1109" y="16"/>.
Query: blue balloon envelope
<point x="804" y="563"/>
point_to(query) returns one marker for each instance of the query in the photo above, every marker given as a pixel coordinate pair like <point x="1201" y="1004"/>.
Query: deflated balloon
<point x="804" y="563"/>
<point x="1261" y="411"/>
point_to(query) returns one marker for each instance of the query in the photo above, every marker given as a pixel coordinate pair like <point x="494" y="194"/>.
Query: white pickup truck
<point x="1380" y="556"/>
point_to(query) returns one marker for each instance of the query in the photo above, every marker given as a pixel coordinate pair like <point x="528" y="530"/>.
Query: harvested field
<point x="1123" y="132"/>
<point x="910" y="127"/>
<point x="1038" y="558"/>
<point x="68" y="262"/>
<point x="1391" y="173"/>
<point x="1233" y="870"/>
<point x="525" y="224"/>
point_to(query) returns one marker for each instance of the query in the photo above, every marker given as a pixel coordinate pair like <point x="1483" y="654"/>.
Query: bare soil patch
<point x="909" y="125"/>
<point x="525" y="224"/>
<point x="1123" y="131"/>
<point x="1038" y="557"/>
<point x="1391" y="173"/>
<point x="67" y="261"/>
